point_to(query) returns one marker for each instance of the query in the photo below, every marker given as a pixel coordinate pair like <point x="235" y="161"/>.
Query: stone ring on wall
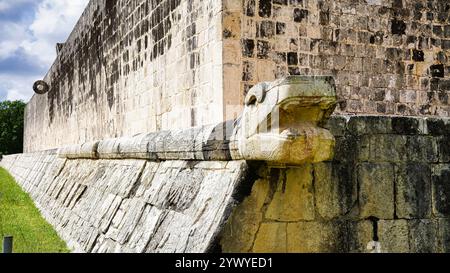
<point x="40" y="87"/>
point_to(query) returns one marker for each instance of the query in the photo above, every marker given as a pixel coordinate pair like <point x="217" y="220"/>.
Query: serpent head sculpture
<point x="282" y="121"/>
<point x="281" y="124"/>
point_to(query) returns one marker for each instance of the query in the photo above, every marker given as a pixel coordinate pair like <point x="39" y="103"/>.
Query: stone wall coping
<point x="198" y="143"/>
<point x="397" y="125"/>
<point x="218" y="142"/>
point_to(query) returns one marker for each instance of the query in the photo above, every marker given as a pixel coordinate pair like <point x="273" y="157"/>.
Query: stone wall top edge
<point x="43" y="152"/>
<point x="342" y="124"/>
<point x="70" y="37"/>
<point x="217" y="143"/>
<point x="349" y="116"/>
<point x="205" y="143"/>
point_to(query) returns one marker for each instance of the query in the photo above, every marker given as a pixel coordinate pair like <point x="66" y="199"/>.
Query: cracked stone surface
<point x="130" y="205"/>
<point x="374" y="196"/>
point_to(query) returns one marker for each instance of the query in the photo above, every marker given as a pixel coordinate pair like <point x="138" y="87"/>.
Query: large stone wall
<point x="131" y="66"/>
<point x="387" y="56"/>
<point x="386" y="190"/>
<point x="134" y="68"/>
<point x="138" y="66"/>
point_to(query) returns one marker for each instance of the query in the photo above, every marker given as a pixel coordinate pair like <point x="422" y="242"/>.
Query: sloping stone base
<point x="130" y="205"/>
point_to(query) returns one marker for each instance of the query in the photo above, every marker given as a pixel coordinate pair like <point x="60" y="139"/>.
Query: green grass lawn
<point x="21" y="219"/>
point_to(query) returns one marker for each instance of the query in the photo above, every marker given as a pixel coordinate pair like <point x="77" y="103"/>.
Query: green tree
<point x="11" y="127"/>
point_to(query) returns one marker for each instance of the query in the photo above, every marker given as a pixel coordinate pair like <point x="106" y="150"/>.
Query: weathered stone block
<point x="173" y="188"/>
<point x="109" y="149"/>
<point x="363" y="151"/>
<point x="137" y="147"/>
<point x="422" y="149"/>
<point x="376" y="190"/>
<point x="337" y="125"/>
<point x="444" y="148"/>
<point x="294" y="196"/>
<point x="213" y="142"/>
<point x="407" y="126"/>
<point x="438" y="126"/>
<point x="179" y="144"/>
<point x="344" y="150"/>
<point x="360" y="236"/>
<point x="413" y="191"/>
<point x="441" y="190"/>
<point x="423" y="236"/>
<point x="352" y="148"/>
<point x="271" y="238"/>
<point x="335" y="189"/>
<point x="106" y="212"/>
<point x="125" y="220"/>
<point x="369" y="125"/>
<point x="393" y="236"/>
<point x="86" y="150"/>
<point x="239" y="233"/>
<point x="317" y="237"/>
<point x="443" y="243"/>
<point x="388" y="148"/>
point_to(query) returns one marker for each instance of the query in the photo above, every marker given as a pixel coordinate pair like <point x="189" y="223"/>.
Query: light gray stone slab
<point x="130" y="205"/>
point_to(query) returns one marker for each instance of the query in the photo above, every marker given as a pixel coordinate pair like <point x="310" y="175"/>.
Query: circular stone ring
<point x="40" y="87"/>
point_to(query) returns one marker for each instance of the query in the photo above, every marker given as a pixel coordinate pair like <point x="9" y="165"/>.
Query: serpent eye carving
<point x="40" y="87"/>
<point x="256" y="94"/>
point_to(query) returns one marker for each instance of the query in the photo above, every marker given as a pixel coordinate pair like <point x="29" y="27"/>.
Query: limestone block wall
<point x="130" y="205"/>
<point x="387" y="190"/>
<point x="387" y="56"/>
<point x="131" y="66"/>
<point x="138" y="66"/>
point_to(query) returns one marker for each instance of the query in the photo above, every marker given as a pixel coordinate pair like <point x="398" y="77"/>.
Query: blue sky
<point x="29" y="31"/>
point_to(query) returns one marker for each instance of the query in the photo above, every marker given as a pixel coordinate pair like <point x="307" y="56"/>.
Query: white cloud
<point x="6" y="5"/>
<point x="17" y="87"/>
<point x="35" y="41"/>
<point x="54" y="21"/>
<point x="13" y="34"/>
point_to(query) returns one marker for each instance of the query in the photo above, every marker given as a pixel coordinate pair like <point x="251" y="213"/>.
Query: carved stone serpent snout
<point x="282" y="121"/>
